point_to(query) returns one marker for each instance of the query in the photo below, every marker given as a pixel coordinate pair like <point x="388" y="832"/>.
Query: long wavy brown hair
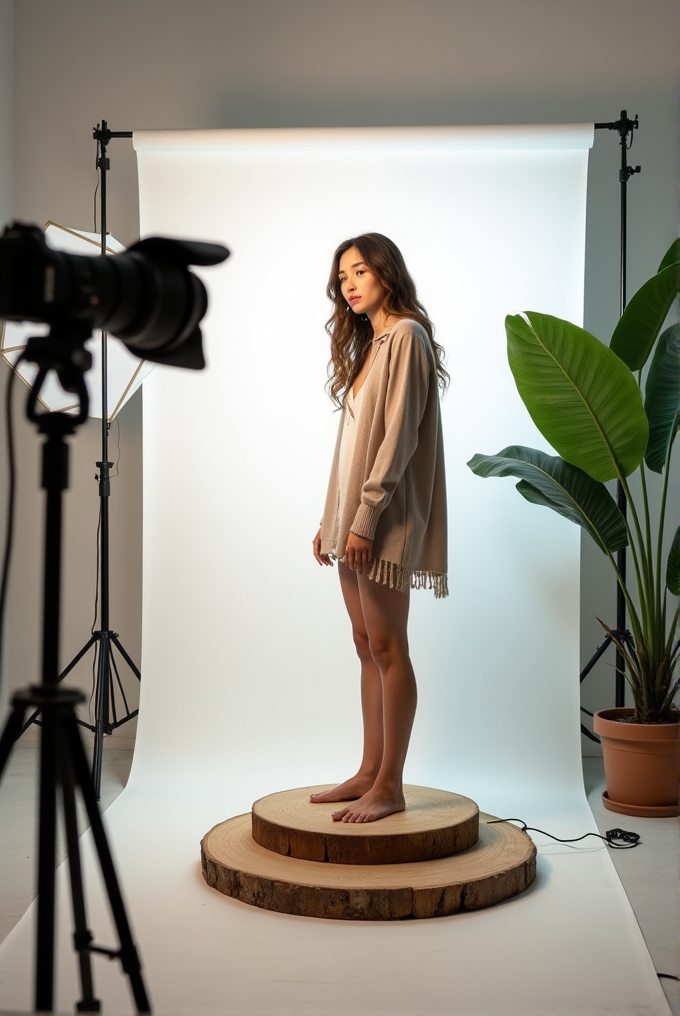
<point x="351" y="333"/>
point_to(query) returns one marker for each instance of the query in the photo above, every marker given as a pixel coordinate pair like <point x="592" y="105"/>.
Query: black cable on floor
<point x="611" y="837"/>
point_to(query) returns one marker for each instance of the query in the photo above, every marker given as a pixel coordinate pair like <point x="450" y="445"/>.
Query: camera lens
<point x="145" y="296"/>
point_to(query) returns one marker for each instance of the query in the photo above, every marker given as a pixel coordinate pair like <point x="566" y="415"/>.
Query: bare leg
<point x="385" y="614"/>
<point x="371" y="700"/>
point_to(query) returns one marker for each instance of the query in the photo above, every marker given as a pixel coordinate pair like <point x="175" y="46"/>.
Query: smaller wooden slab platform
<point x="435" y="824"/>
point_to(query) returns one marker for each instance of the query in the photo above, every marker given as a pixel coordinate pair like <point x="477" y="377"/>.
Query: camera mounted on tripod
<point x="147" y="297"/>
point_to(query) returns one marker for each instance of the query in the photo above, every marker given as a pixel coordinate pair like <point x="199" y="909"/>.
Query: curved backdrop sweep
<point x="249" y="681"/>
<point x="247" y="658"/>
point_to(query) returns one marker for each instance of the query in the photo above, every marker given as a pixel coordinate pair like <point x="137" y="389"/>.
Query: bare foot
<point x="374" y="805"/>
<point x="350" y="790"/>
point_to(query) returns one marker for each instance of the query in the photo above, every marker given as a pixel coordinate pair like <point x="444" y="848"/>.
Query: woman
<point x="385" y="514"/>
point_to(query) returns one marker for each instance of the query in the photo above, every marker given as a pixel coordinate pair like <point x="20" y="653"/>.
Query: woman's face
<point x="358" y="284"/>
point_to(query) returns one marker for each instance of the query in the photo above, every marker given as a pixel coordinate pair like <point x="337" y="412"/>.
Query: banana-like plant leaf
<point x="662" y="397"/>
<point x="580" y="395"/>
<point x="550" y="481"/>
<point x="671" y="256"/>
<point x="643" y="318"/>
<point x="673" y="566"/>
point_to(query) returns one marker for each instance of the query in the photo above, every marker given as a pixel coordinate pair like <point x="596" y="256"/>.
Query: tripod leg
<point x="113" y="721"/>
<point x="123" y="653"/>
<point x="44" y="980"/>
<point x="128" y="952"/>
<point x="76" y="659"/>
<point x="82" y="937"/>
<point x="129" y="713"/>
<point x="121" y="690"/>
<point x="102" y="711"/>
<point x="601" y="649"/>
<point x="13" y="728"/>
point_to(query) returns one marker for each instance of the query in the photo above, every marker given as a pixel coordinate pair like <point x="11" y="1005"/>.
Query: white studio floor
<point x="571" y="944"/>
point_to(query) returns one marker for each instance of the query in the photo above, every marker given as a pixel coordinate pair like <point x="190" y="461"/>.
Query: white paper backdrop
<point x="249" y="680"/>
<point x="247" y="658"/>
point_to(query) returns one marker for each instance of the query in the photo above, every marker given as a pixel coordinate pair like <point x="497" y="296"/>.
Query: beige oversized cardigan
<point x="396" y="492"/>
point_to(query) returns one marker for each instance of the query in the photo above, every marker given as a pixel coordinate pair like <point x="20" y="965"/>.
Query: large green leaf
<point x="662" y="397"/>
<point x="550" y="481"/>
<point x="581" y="397"/>
<point x="671" y="256"/>
<point x="673" y="566"/>
<point x="643" y="318"/>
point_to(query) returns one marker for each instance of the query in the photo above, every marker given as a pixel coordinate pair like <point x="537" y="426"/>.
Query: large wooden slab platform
<point x="501" y="864"/>
<point x="435" y="824"/>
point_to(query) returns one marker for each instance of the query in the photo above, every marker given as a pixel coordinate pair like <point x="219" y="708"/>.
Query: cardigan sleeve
<point x="405" y="402"/>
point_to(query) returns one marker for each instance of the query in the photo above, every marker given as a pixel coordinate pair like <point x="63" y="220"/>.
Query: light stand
<point x="106" y="717"/>
<point x="63" y="764"/>
<point x="625" y="127"/>
<point x="104" y="689"/>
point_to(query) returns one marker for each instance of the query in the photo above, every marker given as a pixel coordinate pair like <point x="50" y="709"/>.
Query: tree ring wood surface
<point x="500" y="865"/>
<point x="435" y="824"/>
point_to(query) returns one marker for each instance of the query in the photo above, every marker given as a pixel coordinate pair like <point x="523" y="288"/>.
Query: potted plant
<point x="590" y="402"/>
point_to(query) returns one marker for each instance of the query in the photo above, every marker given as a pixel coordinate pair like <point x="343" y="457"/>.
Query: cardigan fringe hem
<point x="387" y="573"/>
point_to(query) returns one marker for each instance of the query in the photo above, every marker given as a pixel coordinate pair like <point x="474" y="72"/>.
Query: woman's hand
<point x="358" y="552"/>
<point x="321" y="558"/>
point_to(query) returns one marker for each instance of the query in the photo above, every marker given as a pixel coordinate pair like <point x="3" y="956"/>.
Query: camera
<point x="145" y="296"/>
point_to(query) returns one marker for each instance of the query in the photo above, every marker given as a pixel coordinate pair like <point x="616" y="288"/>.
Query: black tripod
<point x="105" y="640"/>
<point x="63" y="764"/>
<point x="619" y="636"/>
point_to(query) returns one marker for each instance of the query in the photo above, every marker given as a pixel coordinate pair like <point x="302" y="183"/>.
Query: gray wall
<point x="261" y="63"/>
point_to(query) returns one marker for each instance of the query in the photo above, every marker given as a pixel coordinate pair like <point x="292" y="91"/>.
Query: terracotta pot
<point x="641" y="764"/>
